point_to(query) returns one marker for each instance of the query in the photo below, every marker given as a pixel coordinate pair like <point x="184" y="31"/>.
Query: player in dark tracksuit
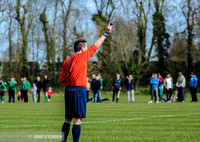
<point x="45" y="87"/>
<point x="117" y="84"/>
<point x="39" y="85"/>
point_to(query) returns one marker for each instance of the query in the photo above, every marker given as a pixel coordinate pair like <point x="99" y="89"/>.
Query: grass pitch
<point x="108" y="122"/>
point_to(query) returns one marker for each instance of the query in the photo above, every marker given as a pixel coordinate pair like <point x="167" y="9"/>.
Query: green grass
<point x="107" y="122"/>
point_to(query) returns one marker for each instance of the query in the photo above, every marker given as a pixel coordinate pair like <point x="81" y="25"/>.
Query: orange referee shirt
<point x="78" y="68"/>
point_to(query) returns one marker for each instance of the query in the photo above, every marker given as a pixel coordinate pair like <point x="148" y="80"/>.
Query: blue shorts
<point x="75" y="102"/>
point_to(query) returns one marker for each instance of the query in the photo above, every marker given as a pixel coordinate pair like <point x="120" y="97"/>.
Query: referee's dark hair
<point x="79" y="44"/>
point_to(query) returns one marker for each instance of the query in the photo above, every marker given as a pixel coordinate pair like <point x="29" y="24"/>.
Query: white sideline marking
<point x="140" y="118"/>
<point x="115" y="120"/>
<point x="24" y="126"/>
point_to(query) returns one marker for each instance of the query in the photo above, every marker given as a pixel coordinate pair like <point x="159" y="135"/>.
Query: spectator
<point x="152" y="76"/>
<point x="101" y="83"/>
<point x="19" y="96"/>
<point x="93" y="86"/>
<point x="34" y="92"/>
<point x="39" y="86"/>
<point x="117" y="84"/>
<point x="2" y="91"/>
<point x="96" y="87"/>
<point x="88" y="88"/>
<point x="180" y="84"/>
<point x="45" y="87"/>
<point x="154" y="82"/>
<point x="168" y="83"/>
<point x="25" y="86"/>
<point x="50" y="93"/>
<point x="160" y="86"/>
<point x="12" y="88"/>
<point x="193" y="86"/>
<point x="130" y="88"/>
<point x="21" y="89"/>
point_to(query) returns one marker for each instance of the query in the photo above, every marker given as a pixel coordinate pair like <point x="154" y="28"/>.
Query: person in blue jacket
<point x="193" y="86"/>
<point x="129" y="88"/>
<point x="154" y="83"/>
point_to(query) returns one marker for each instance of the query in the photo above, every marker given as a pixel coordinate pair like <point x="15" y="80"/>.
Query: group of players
<point x="158" y="84"/>
<point x="25" y="85"/>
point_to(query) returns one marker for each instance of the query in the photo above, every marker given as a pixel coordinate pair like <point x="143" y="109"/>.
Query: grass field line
<point x="115" y="120"/>
<point x="140" y="118"/>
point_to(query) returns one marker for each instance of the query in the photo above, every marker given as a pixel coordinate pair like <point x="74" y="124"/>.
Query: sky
<point x="173" y="21"/>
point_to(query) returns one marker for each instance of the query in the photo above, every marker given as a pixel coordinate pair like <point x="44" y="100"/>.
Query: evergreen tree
<point x="161" y="37"/>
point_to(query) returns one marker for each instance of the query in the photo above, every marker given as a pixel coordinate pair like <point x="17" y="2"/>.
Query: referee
<point x="74" y="75"/>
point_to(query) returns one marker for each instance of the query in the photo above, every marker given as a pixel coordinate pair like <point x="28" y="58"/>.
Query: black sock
<point x="65" y="131"/>
<point x="76" y="131"/>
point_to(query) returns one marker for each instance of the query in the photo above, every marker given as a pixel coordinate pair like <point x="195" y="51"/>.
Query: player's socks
<point x="2" y="99"/>
<point x="65" y="131"/>
<point x="117" y="100"/>
<point x="46" y="98"/>
<point x="76" y="131"/>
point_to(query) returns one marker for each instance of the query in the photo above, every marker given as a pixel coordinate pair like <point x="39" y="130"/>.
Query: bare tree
<point x="24" y="29"/>
<point x="190" y="10"/>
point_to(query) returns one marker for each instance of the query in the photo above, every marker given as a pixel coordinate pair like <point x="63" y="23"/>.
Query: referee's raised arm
<point x="99" y="42"/>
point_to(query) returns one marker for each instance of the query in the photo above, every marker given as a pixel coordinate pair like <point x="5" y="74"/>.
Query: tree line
<point x="148" y="36"/>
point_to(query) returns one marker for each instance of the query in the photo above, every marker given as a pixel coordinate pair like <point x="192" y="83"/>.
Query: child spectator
<point x="50" y="93"/>
<point x="34" y="92"/>
<point x="19" y="96"/>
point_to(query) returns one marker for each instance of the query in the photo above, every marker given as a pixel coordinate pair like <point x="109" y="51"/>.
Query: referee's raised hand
<point x="109" y="28"/>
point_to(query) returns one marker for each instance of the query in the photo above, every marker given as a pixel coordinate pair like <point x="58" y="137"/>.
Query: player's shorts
<point x="45" y="89"/>
<point x="75" y="102"/>
<point x="2" y="93"/>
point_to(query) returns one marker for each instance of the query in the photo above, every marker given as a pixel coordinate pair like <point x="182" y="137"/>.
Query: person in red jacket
<point x="160" y="86"/>
<point x="74" y="75"/>
<point x="50" y="93"/>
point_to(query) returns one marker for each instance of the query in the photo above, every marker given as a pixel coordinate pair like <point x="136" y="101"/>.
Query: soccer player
<point x="2" y="90"/>
<point x="117" y="85"/>
<point x="74" y="75"/>
<point x="12" y="87"/>
<point x="25" y="86"/>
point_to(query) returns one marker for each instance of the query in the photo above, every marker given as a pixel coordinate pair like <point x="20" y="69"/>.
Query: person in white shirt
<point x="168" y="84"/>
